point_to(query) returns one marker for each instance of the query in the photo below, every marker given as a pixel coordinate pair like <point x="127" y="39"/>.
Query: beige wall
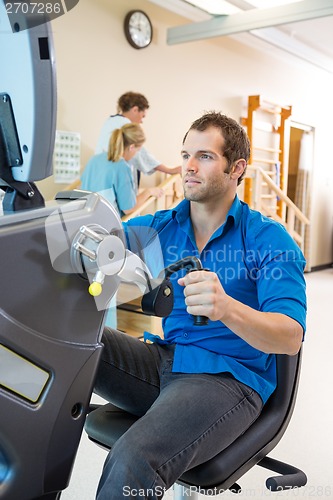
<point x="95" y="65"/>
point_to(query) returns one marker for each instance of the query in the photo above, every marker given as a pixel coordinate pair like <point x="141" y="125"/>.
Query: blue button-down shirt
<point x="258" y="264"/>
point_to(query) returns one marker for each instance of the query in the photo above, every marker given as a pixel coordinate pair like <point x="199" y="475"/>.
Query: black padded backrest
<point x="260" y="438"/>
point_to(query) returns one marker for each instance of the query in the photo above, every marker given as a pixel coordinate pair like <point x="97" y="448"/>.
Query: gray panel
<point x="20" y="375"/>
<point x="49" y="319"/>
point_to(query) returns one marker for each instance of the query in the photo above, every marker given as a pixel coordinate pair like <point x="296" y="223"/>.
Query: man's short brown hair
<point x="130" y="99"/>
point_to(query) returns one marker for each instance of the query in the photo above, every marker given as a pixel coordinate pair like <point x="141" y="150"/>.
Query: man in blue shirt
<point x="200" y="387"/>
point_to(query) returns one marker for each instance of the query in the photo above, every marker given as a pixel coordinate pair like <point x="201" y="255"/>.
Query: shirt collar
<point x="235" y="211"/>
<point x="182" y="212"/>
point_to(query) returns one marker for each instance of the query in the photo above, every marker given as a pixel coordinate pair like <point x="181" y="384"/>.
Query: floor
<point x="308" y="441"/>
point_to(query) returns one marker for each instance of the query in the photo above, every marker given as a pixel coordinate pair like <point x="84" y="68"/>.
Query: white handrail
<point x="279" y="193"/>
<point x="293" y="213"/>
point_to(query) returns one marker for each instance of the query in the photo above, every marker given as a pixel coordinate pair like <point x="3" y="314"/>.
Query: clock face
<point x="138" y="29"/>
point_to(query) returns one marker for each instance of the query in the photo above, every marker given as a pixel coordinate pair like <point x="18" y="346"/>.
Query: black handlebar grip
<point x="199" y="320"/>
<point x="190" y="263"/>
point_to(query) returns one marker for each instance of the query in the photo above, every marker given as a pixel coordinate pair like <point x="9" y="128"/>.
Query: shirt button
<point x="185" y="334"/>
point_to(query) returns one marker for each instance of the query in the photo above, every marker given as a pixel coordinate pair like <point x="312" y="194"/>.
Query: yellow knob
<point x="95" y="289"/>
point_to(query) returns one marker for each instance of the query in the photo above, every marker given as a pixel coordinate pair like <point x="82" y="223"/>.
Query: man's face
<point x="204" y="166"/>
<point x="136" y="115"/>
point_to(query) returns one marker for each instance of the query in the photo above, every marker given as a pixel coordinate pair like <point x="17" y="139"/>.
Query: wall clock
<point x="138" y="29"/>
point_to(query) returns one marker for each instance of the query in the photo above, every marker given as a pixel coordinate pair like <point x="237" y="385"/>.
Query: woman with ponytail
<point x="110" y="174"/>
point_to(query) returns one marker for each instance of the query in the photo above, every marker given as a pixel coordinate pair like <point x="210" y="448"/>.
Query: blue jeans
<point x="186" y="419"/>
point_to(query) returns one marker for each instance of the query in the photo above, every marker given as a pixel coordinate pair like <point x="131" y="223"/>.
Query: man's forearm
<point x="267" y="331"/>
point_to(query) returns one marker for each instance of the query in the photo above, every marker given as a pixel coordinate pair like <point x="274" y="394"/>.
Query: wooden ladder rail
<point x="256" y="103"/>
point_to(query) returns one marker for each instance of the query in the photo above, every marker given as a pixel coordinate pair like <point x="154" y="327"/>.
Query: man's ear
<point x="238" y="169"/>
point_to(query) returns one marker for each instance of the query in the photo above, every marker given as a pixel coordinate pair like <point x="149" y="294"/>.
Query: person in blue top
<point x="200" y="387"/>
<point x="109" y="173"/>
